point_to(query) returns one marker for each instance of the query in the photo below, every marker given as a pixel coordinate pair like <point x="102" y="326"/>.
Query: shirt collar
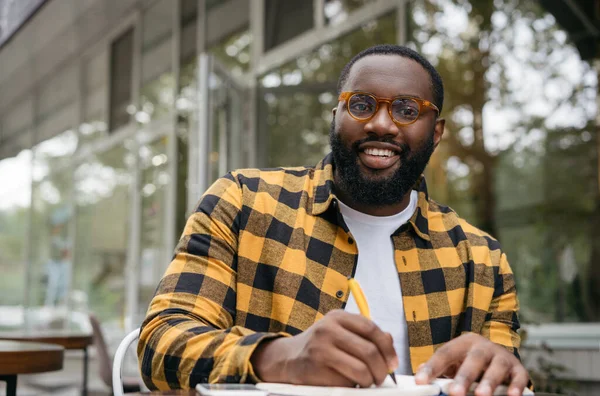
<point x="323" y="196"/>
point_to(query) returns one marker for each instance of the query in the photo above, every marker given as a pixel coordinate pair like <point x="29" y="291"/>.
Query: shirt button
<point x="339" y="294"/>
<point x="350" y="240"/>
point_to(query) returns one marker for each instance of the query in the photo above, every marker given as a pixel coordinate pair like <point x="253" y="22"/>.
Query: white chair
<point x="117" y="382"/>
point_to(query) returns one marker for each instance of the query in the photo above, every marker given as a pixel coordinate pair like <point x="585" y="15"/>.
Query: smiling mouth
<point x="380" y="152"/>
<point x="378" y="159"/>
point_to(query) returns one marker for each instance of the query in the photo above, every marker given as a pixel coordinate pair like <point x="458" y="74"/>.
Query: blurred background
<point x="115" y="116"/>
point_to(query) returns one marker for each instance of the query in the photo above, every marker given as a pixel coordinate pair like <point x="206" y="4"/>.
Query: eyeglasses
<point x="404" y="110"/>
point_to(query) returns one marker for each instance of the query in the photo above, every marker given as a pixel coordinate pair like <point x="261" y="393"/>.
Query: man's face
<point x="378" y="161"/>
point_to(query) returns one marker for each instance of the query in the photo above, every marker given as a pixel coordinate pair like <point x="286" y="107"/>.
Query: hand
<point x="473" y="356"/>
<point x="342" y="349"/>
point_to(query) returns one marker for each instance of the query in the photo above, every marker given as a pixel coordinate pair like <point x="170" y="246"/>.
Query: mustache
<point x="403" y="147"/>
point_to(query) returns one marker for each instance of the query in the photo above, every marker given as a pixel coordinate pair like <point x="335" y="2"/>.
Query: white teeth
<point x="379" y="152"/>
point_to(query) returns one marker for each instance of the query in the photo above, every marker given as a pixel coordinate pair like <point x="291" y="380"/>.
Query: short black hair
<point x="437" y="86"/>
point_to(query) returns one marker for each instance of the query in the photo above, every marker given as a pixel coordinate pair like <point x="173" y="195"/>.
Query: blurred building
<point x="115" y="116"/>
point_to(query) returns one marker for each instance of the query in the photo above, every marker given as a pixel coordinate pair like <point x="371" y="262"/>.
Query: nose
<point x="381" y="123"/>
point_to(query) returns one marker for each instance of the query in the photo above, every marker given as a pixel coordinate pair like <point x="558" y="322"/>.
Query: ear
<point x="438" y="131"/>
<point x="334" y="110"/>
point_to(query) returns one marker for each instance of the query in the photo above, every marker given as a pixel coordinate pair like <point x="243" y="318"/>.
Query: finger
<point x="367" y="329"/>
<point x="520" y="379"/>
<point x="446" y="357"/>
<point x="365" y="351"/>
<point x="351" y="368"/>
<point x="475" y="363"/>
<point x="423" y="374"/>
<point x="497" y="372"/>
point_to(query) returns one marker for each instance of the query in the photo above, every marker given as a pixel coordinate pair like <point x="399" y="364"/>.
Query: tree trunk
<point x="486" y="202"/>
<point x="483" y="180"/>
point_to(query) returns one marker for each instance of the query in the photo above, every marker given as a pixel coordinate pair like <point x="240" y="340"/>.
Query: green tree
<point x="517" y="152"/>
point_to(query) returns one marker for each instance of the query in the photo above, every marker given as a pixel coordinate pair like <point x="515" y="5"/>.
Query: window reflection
<point x="52" y="216"/>
<point x="337" y="11"/>
<point x="153" y="257"/>
<point x="102" y="212"/>
<point x="229" y="104"/>
<point x="234" y="52"/>
<point x="158" y="84"/>
<point x="51" y="242"/>
<point x="15" y="198"/>
<point x="54" y="153"/>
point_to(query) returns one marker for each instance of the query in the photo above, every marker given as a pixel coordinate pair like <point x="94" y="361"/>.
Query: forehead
<point x="388" y="76"/>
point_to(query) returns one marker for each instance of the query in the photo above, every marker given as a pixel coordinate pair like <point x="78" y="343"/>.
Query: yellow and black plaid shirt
<point x="267" y="254"/>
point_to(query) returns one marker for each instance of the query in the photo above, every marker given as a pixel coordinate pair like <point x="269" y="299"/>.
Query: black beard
<point x="377" y="192"/>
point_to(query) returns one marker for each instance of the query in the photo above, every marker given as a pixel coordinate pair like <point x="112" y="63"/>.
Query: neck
<point x="387" y="210"/>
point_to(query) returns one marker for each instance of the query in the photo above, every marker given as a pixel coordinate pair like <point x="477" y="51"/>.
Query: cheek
<point x="418" y="136"/>
<point x="348" y="128"/>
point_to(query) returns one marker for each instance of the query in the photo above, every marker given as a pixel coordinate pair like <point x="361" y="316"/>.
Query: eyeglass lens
<point x="404" y="110"/>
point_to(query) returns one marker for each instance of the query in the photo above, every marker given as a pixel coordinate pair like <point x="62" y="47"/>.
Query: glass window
<point x="153" y="256"/>
<point x="121" y="67"/>
<point x="229" y="103"/>
<point x="157" y="90"/>
<point x="186" y="105"/>
<point x="52" y="233"/>
<point x="51" y="239"/>
<point x="285" y="20"/>
<point x="102" y="206"/>
<point x="337" y="11"/>
<point x="234" y="52"/>
<point x="95" y="92"/>
<point x="519" y="154"/>
<point x="54" y="154"/>
<point x="51" y="244"/>
<point x="15" y="199"/>
<point x="296" y="100"/>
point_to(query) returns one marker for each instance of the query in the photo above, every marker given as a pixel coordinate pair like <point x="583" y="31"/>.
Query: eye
<point x="406" y="109"/>
<point x="361" y="105"/>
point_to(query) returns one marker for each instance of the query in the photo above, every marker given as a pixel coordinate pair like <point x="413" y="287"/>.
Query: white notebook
<point x="406" y="387"/>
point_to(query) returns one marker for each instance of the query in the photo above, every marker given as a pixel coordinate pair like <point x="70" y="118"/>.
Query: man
<point x="258" y="287"/>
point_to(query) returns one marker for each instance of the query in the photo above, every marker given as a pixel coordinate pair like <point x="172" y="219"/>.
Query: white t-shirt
<point x="377" y="274"/>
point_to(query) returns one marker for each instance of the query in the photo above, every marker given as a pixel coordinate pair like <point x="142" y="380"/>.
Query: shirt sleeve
<point x="502" y="322"/>
<point x="189" y="335"/>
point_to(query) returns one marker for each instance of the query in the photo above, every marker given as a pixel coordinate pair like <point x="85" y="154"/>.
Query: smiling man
<point x="258" y="287"/>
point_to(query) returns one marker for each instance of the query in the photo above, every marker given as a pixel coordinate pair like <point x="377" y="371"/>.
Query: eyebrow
<point x="395" y="96"/>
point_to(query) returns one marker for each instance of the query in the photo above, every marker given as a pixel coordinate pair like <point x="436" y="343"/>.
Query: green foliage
<point x="519" y="155"/>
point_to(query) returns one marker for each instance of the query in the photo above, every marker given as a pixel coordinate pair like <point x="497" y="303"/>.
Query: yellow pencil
<point x="363" y="307"/>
